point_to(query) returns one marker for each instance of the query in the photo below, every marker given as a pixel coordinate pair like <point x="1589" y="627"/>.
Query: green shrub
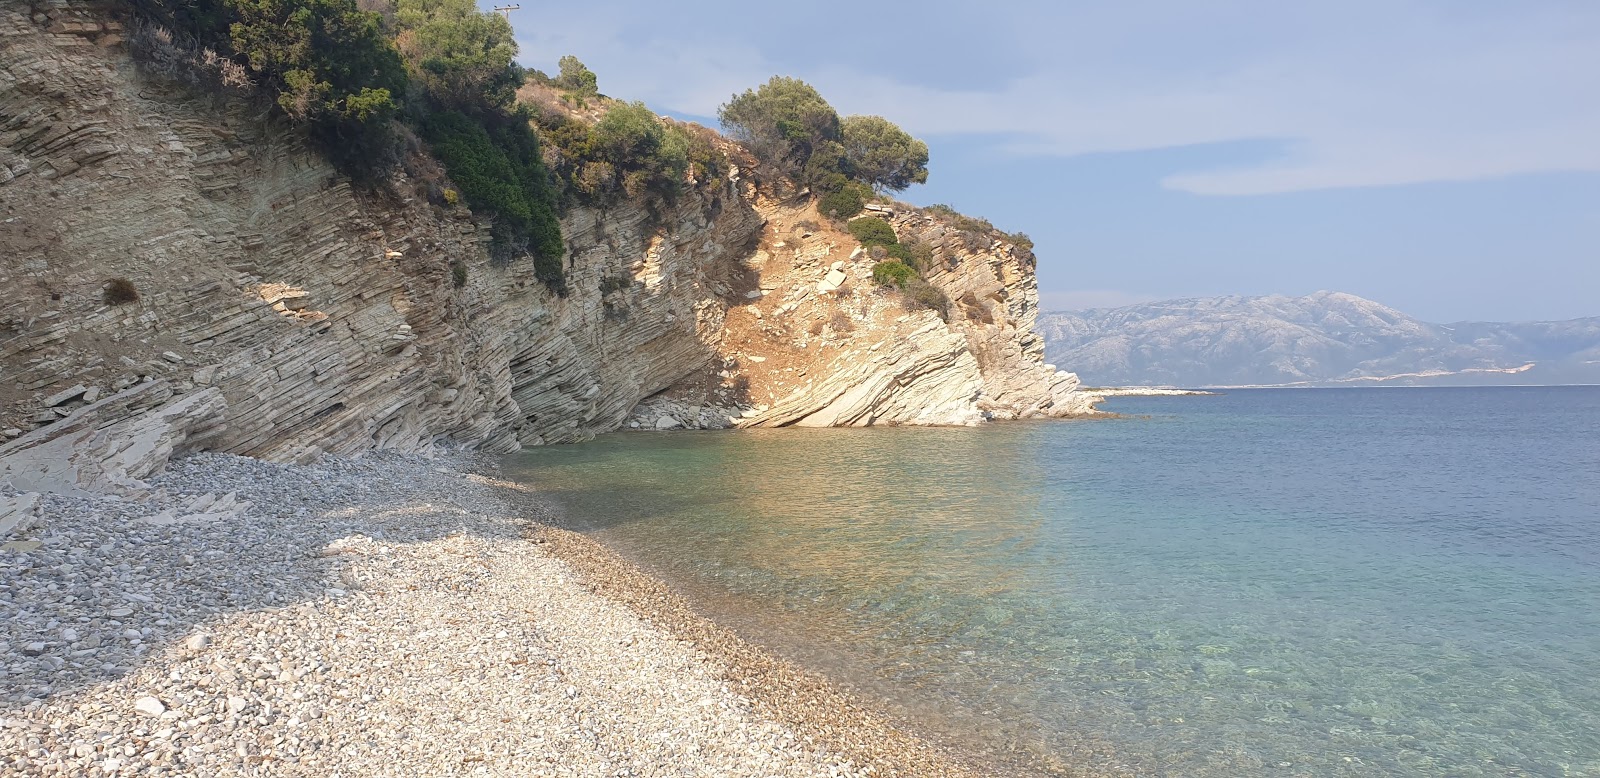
<point x="325" y="64"/>
<point x="893" y="273"/>
<point x="496" y="165"/>
<point x="842" y="203"/>
<point x="631" y="152"/>
<point x="919" y="256"/>
<point x="119" y="291"/>
<point x="460" y="57"/>
<point x="921" y="293"/>
<point x="872" y="231"/>
<point x="458" y="274"/>
<point x="1024" y="246"/>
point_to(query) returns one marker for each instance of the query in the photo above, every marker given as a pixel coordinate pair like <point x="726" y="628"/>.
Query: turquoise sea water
<point x="1284" y="582"/>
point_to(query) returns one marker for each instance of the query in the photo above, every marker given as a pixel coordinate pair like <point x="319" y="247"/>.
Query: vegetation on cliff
<point x="381" y="83"/>
<point x="900" y="265"/>
<point x="354" y="76"/>
<point x="788" y="125"/>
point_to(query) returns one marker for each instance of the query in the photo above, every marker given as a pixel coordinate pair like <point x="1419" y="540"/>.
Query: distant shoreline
<point x="1145" y="391"/>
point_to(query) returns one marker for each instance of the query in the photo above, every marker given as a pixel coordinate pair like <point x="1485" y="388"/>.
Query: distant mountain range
<point x="1322" y="339"/>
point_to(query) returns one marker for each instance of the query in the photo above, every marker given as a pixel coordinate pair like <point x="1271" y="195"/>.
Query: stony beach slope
<point x="394" y="615"/>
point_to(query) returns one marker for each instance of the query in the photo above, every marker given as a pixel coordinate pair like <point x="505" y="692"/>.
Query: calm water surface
<point x="1285" y="582"/>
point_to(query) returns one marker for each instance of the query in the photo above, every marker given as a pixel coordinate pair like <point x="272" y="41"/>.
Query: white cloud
<point x="1361" y="93"/>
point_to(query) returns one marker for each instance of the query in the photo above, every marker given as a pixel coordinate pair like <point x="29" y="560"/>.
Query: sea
<point x="1317" y="582"/>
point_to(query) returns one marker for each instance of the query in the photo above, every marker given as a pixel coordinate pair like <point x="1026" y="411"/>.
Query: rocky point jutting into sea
<point x="286" y="315"/>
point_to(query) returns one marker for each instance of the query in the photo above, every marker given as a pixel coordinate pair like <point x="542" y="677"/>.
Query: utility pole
<point x="505" y="10"/>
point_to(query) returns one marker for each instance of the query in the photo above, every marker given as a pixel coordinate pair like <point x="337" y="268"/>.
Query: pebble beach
<point x="392" y="615"/>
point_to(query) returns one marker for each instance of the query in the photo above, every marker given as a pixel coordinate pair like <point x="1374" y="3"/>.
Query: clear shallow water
<point x="1286" y="582"/>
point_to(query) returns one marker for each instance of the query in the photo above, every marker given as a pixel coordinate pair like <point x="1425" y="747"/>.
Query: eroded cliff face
<point x="314" y="318"/>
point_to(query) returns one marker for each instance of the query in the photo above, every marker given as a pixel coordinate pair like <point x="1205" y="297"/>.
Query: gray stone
<point x="149" y="706"/>
<point x="65" y="396"/>
<point x="667" y="423"/>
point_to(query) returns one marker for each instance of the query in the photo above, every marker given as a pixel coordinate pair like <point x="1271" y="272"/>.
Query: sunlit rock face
<point x="319" y="318"/>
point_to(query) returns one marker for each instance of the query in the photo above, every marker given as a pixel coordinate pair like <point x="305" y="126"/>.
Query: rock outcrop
<point x="282" y="313"/>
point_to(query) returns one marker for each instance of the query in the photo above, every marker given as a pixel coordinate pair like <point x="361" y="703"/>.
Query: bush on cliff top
<point x="326" y="65"/>
<point x="341" y="72"/>
<point x="788" y="125"/>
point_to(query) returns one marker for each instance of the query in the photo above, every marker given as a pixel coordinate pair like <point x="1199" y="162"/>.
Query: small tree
<point x="785" y="122"/>
<point x="883" y="155"/>
<point x="576" y="78"/>
<point x="461" y="57"/>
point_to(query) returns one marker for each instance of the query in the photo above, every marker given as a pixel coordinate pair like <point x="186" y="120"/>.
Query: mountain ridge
<point x="1326" y="338"/>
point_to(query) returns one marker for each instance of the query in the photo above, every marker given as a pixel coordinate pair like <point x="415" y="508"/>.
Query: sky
<point x="1441" y="157"/>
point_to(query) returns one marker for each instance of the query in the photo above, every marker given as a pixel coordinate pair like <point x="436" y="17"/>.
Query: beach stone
<point x="197" y="642"/>
<point x="667" y="423"/>
<point x="149" y="706"/>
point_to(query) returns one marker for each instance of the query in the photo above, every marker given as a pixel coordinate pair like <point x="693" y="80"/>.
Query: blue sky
<point x="1441" y="157"/>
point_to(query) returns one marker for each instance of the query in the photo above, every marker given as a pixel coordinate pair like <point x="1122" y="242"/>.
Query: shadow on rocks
<point x="114" y="582"/>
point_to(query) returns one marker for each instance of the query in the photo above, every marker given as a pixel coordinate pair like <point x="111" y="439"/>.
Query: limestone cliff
<point x="315" y="318"/>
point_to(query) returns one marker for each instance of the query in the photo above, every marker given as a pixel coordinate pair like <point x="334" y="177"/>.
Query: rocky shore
<point x="390" y="615"/>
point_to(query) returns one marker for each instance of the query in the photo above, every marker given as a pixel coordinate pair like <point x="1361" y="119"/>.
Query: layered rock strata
<point x="303" y="316"/>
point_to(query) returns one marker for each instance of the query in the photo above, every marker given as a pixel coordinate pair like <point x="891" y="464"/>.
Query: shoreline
<point x="391" y="614"/>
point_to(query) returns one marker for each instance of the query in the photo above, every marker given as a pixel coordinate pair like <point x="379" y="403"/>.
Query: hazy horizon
<point x="1439" y="158"/>
<point x="1044" y="306"/>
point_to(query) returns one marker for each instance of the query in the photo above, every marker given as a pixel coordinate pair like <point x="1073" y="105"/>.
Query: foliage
<point x="461" y="58"/>
<point x="873" y="231"/>
<point x="180" y="57"/>
<point x="1024" y="248"/>
<point x="898" y="251"/>
<point x="784" y="123"/>
<point x="893" y="272"/>
<point x="331" y="66"/>
<point x="616" y="283"/>
<point x="326" y="59"/>
<point x="119" y="291"/>
<point x="844" y="202"/>
<point x="926" y="295"/>
<point x="787" y="125"/>
<point x="458" y="273"/>
<point x="919" y="255"/>
<point x="630" y="152"/>
<point x="325" y="64"/>
<point x="576" y="78"/>
<point x="881" y="154"/>
<point x="499" y="170"/>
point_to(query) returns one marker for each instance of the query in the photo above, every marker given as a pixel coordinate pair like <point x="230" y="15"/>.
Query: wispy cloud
<point x="1359" y="93"/>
